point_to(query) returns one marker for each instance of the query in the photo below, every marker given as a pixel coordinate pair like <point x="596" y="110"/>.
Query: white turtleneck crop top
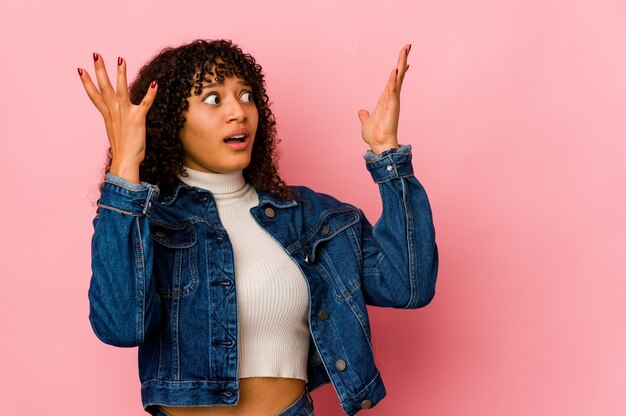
<point x="272" y="293"/>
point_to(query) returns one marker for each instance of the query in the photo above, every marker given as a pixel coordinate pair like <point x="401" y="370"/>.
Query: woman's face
<point x="220" y="126"/>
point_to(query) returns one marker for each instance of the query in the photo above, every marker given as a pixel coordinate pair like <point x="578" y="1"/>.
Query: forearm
<point x="400" y="255"/>
<point x="124" y="304"/>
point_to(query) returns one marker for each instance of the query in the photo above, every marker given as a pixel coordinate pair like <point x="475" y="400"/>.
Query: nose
<point x="235" y="112"/>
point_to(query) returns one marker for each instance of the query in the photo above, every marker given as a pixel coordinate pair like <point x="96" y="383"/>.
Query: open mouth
<point x="240" y="138"/>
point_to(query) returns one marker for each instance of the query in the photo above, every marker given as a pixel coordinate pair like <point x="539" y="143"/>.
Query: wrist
<point x="126" y="170"/>
<point x="371" y="156"/>
<point x="378" y="149"/>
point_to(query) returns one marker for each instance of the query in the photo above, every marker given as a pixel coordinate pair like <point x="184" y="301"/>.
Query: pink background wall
<point x="516" y="113"/>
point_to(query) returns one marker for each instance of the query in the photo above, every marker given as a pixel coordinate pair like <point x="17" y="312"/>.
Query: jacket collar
<point x="268" y="198"/>
<point x="265" y="197"/>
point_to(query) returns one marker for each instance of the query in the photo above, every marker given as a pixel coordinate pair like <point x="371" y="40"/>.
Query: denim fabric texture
<point x="163" y="279"/>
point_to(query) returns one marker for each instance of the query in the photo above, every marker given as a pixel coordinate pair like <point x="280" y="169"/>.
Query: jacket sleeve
<point x="124" y="307"/>
<point x="400" y="257"/>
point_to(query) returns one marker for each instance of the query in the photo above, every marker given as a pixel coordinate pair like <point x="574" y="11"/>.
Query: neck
<point x="217" y="183"/>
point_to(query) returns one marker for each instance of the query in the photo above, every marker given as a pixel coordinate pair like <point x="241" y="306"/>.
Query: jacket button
<point x="306" y="259"/>
<point x="227" y="393"/>
<point x="325" y="230"/>
<point x="324" y="314"/>
<point x="340" y="365"/>
<point x="269" y="212"/>
<point x="366" y="404"/>
<point x="389" y="168"/>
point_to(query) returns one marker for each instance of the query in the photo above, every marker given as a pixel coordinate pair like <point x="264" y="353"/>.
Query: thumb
<point x="363" y="115"/>
<point x="148" y="99"/>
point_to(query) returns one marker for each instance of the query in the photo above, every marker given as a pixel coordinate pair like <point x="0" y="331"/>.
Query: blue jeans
<point x="301" y="407"/>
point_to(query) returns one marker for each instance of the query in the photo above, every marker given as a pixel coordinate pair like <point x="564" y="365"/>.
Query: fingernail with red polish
<point x="119" y="60"/>
<point x="95" y="57"/>
<point x="410" y="46"/>
<point x="153" y="84"/>
<point x="80" y="72"/>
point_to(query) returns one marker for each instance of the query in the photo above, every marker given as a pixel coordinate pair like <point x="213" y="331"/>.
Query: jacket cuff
<point x="126" y="197"/>
<point x="390" y="164"/>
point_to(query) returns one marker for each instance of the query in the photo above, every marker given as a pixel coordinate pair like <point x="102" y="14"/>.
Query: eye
<point x="246" y="96"/>
<point x="212" y="99"/>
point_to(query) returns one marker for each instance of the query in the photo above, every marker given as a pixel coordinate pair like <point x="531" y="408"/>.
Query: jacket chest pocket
<point x="175" y="259"/>
<point x="333" y="248"/>
<point x="333" y="230"/>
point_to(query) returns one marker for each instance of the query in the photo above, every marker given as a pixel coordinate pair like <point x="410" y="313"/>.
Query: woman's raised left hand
<point x="380" y="129"/>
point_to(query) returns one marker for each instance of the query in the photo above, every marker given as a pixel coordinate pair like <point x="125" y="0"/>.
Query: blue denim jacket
<point x="163" y="279"/>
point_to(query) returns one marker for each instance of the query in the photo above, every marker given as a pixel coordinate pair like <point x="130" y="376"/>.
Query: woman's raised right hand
<point x="125" y="122"/>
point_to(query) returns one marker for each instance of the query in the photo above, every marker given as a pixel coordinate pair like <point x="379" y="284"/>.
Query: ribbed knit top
<point x="272" y="294"/>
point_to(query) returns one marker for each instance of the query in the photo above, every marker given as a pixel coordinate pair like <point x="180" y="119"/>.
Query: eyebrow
<point x="216" y="84"/>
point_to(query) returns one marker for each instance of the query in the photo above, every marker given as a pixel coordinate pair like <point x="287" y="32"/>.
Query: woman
<point x="192" y="201"/>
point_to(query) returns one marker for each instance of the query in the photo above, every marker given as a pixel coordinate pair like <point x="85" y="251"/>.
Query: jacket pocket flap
<point x="178" y="237"/>
<point x="329" y="226"/>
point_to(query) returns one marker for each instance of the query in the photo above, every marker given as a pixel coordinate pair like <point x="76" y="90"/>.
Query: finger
<point x="403" y="55"/>
<point x="403" y="64"/>
<point x="388" y="87"/>
<point x="97" y="100"/>
<point x="391" y="97"/>
<point x="400" y="80"/>
<point x="363" y="115"/>
<point x="148" y="99"/>
<point x="93" y="93"/>
<point x="103" y="78"/>
<point x="392" y="83"/>
<point x="121" y="86"/>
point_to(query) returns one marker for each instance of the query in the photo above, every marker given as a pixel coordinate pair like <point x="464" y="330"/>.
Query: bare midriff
<point x="258" y="396"/>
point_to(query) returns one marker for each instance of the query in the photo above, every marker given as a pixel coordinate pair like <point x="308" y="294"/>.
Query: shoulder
<point x="311" y="199"/>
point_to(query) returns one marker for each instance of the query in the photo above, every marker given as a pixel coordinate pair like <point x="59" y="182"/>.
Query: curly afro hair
<point x="178" y="70"/>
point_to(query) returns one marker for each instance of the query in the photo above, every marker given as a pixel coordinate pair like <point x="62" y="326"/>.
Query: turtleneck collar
<point x="217" y="183"/>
